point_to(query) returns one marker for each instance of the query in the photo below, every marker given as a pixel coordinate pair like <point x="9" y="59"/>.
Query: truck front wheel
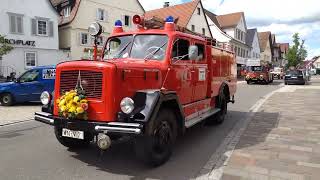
<point x="72" y="143"/>
<point x="155" y="147"/>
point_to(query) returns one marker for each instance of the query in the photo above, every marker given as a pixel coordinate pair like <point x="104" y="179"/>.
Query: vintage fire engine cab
<point x="258" y="72"/>
<point x="150" y="84"/>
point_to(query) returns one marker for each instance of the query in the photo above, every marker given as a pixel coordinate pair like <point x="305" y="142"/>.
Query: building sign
<point x="49" y="74"/>
<point x="19" y="42"/>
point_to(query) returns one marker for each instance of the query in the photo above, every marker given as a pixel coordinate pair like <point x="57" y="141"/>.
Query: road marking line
<point x="215" y="166"/>
<point x="15" y="123"/>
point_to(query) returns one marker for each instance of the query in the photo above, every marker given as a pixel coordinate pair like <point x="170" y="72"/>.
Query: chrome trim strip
<point x="201" y="117"/>
<point x="43" y="114"/>
<point x="118" y="129"/>
<point x="124" y="124"/>
<point x="44" y="119"/>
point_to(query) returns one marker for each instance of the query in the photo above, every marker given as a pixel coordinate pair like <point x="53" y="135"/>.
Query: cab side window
<point x="201" y="52"/>
<point x="180" y="49"/>
<point x="30" y="76"/>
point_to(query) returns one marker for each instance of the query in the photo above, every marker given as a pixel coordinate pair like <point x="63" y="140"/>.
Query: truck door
<point x="200" y="74"/>
<point x="181" y="73"/>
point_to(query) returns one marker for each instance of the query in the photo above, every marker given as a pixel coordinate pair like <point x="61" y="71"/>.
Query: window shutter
<point x="130" y="21"/>
<point x="33" y="26"/>
<point x="19" y="24"/>
<point x="123" y="19"/>
<point x="97" y="14"/>
<point x="51" y="29"/>
<point x="80" y="42"/>
<point x="12" y="20"/>
<point x="105" y="15"/>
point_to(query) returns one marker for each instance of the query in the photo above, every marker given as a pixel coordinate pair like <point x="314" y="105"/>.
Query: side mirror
<point x="193" y="52"/>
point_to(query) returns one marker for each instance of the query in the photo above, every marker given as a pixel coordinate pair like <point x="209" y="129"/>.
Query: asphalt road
<point x="30" y="150"/>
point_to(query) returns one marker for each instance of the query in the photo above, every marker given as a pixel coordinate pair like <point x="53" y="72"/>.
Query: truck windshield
<point x="255" y="68"/>
<point x="137" y="47"/>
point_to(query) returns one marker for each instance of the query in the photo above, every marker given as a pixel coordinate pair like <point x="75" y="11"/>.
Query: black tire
<point x="154" y="148"/>
<point x="248" y="82"/>
<point x="6" y="99"/>
<point x="219" y="118"/>
<point x="73" y="143"/>
<point x="223" y="105"/>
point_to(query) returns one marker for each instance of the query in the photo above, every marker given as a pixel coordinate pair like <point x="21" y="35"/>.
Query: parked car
<point x="295" y="77"/>
<point x="29" y="86"/>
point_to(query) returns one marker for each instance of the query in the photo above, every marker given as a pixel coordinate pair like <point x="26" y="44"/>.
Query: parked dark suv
<point x="295" y="77"/>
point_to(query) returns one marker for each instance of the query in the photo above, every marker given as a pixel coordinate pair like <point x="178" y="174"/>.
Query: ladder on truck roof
<point x="157" y="23"/>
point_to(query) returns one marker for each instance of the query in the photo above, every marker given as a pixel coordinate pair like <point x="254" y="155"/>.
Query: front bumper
<point x="89" y="126"/>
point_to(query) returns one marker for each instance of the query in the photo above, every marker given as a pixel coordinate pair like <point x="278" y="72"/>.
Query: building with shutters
<point x="77" y="15"/>
<point x="31" y="27"/>
<point x="189" y="15"/>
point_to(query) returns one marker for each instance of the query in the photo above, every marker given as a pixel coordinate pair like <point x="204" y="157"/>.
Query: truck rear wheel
<point x="6" y="99"/>
<point x="220" y="116"/>
<point x="72" y="143"/>
<point x="155" y="147"/>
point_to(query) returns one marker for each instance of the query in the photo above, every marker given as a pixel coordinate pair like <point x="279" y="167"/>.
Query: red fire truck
<point x="150" y="84"/>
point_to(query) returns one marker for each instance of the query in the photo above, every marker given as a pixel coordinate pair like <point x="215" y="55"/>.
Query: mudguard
<point x="148" y="104"/>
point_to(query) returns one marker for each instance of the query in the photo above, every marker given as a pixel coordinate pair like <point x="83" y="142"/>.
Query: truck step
<point x="201" y="117"/>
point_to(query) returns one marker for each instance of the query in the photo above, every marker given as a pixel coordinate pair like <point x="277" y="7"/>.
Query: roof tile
<point x="181" y="12"/>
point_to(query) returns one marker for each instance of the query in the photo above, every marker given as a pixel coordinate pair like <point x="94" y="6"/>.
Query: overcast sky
<point x="281" y="17"/>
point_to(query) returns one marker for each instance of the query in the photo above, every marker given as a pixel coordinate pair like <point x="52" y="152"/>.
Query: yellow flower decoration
<point x="73" y="105"/>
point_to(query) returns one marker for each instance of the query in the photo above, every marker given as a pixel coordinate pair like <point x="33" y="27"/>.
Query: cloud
<point x="152" y="4"/>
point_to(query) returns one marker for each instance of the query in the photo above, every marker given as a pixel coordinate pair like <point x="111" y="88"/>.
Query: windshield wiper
<point x="122" y="50"/>
<point x="154" y="52"/>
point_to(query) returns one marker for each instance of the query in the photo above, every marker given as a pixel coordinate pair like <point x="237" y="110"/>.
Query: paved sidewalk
<point x="18" y="113"/>
<point x="282" y="141"/>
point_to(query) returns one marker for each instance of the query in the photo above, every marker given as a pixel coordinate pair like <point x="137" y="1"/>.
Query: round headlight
<point x="45" y="98"/>
<point x="127" y="105"/>
<point x="95" y="29"/>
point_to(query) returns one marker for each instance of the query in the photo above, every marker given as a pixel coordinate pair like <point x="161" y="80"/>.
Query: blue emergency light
<point x="118" y="23"/>
<point x="169" y="19"/>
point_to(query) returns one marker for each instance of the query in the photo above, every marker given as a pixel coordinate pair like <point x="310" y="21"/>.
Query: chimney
<point x="166" y="4"/>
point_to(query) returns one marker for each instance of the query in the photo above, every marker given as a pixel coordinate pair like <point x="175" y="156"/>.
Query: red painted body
<point x="263" y="75"/>
<point x="123" y="77"/>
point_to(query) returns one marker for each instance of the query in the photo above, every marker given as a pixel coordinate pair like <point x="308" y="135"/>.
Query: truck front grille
<point x="91" y="82"/>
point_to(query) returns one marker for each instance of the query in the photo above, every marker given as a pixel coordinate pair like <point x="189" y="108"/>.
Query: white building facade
<point x="76" y="17"/>
<point x="252" y="40"/>
<point x="31" y="27"/>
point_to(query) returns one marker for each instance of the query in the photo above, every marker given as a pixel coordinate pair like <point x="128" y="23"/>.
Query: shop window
<point x="30" y="59"/>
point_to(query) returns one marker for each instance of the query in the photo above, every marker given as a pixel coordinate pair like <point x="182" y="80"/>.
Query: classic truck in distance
<point x="150" y="84"/>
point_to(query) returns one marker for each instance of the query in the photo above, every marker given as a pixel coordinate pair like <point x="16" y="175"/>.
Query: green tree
<point x="297" y="52"/>
<point x="5" y="48"/>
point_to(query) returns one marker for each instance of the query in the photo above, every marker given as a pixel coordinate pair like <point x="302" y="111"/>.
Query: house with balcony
<point x="31" y="28"/>
<point x="189" y="15"/>
<point x="265" y="47"/>
<point x="77" y="15"/>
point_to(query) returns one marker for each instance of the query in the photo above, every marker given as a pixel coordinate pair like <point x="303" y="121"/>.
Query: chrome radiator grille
<point x="91" y="82"/>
